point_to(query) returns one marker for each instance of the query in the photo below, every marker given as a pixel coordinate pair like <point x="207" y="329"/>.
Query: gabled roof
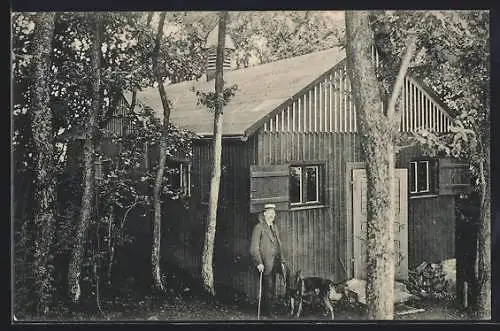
<point x="261" y="89"/>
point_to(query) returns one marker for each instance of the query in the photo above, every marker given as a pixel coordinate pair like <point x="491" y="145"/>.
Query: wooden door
<point x="359" y="205"/>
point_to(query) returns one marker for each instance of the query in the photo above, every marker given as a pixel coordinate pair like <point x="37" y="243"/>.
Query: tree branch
<point x="401" y="147"/>
<point x="129" y="208"/>
<point x="150" y="17"/>
<point x="403" y="69"/>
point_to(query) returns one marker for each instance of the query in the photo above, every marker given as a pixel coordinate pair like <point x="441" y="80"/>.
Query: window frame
<point x="101" y="168"/>
<point x="320" y="183"/>
<point x="430" y="174"/>
<point x="183" y="167"/>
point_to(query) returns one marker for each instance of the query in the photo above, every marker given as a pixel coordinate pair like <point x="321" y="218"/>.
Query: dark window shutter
<point x="454" y="177"/>
<point x="269" y="184"/>
<point x="434" y="176"/>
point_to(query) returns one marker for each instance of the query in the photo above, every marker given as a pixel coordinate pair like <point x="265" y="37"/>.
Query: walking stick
<point x="260" y="295"/>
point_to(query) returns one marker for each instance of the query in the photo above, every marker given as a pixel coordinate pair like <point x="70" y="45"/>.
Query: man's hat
<point x="269" y="206"/>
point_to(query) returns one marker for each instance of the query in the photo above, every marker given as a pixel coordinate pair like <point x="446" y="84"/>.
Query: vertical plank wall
<point x="431" y="222"/>
<point x="234" y="222"/>
<point x="315" y="240"/>
<point x="319" y="124"/>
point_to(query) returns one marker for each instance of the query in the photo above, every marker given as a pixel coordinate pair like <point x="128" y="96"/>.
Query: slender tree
<point x="78" y="250"/>
<point x="378" y="128"/>
<point x="207" y="274"/>
<point x="155" y="253"/>
<point x="43" y="147"/>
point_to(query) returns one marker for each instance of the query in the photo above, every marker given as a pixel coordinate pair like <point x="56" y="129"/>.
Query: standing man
<point x="265" y="251"/>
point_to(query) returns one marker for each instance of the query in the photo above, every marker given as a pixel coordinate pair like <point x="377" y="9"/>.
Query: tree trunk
<point x="155" y="254"/>
<point x="43" y="146"/>
<point x="70" y="197"/>
<point x="77" y="254"/>
<point x="377" y="142"/>
<point x="207" y="274"/>
<point x="483" y="304"/>
<point x="378" y="128"/>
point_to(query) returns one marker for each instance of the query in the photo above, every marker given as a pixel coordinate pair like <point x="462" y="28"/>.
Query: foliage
<point x="262" y="37"/>
<point x="125" y="53"/>
<point x="211" y="100"/>
<point x="453" y="59"/>
<point x="24" y="299"/>
<point x="120" y="185"/>
<point x="126" y="185"/>
<point x="286" y="34"/>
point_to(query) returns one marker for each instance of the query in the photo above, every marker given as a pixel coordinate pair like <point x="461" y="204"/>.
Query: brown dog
<point x="324" y="289"/>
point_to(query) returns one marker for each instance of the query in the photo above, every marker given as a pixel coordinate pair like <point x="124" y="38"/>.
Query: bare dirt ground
<point x="181" y="304"/>
<point x="191" y="308"/>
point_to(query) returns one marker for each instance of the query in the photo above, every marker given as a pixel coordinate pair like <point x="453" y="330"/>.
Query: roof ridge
<point x="289" y="58"/>
<point x="261" y="65"/>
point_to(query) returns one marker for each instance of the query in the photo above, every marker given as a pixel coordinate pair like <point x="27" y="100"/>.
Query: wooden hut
<point x="290" y="137"/>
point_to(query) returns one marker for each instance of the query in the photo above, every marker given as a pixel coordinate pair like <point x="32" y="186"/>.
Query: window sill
<point x="423" y="196"/>
<point x="305" y="207"/>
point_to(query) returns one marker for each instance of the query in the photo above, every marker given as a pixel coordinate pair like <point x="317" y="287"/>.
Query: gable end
<point x="327" y="105"/>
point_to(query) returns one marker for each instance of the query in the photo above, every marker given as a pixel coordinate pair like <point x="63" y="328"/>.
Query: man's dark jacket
<point x="265" y="247"/>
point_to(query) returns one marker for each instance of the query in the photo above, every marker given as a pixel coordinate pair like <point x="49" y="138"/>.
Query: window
<point x="179" y="177"/>
<point x="421" y="177"/>
<point x="305" y="184"/>
<point x="102" y="167"/>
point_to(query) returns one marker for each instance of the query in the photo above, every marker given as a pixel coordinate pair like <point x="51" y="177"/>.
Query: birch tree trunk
<point x="207" y="274"/>
<point x="43" y="147"/>
<point x="155" y="253"/>
<point x="378" y="128"/>
<point x="77" y="254"/>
